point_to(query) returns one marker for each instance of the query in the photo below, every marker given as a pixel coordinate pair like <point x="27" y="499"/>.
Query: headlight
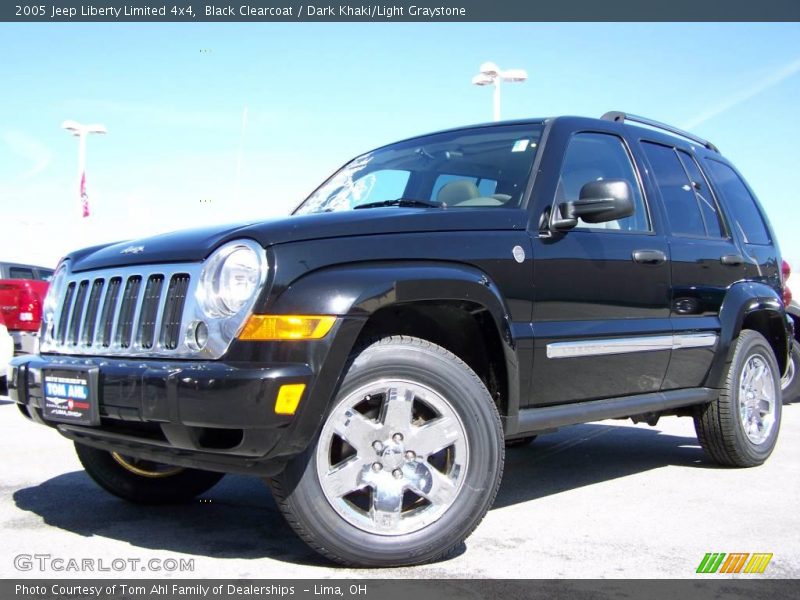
<point x="54" y="293"/>
<point x="230" y="278"/>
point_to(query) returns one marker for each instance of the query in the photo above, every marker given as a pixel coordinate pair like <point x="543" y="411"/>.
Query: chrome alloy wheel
<point x="757" y="397"/>
<point x="392" y="457"/>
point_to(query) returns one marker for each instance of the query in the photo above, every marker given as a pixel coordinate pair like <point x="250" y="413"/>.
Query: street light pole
<point x="490" y="74"/>
<point x="81" y="132"/>
<point x="496" y="94"/>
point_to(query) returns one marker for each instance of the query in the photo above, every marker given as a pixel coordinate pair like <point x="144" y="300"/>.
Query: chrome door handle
<point x="649" y="257"/>
<point x="732" y="260"/>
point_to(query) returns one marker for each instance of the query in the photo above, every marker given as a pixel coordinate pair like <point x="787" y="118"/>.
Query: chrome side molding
<point x="627" y="345"/>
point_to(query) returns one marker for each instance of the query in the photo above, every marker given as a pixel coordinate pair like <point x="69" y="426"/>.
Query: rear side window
<point x="680" y="201"/>
<point x="20" y="273"/>
<point x="702" y="192"/>
<point x="740" y="203"/>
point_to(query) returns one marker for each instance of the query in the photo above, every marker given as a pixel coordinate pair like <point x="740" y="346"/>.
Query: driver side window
<point x="595" y="157"/>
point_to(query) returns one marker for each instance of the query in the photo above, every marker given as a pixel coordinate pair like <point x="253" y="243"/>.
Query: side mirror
<point x="599" y="202"/>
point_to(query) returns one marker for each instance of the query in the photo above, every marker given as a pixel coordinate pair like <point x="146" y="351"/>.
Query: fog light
<point x="288" y="398"/>
<point x="197" y="335"/>
<point x="286" y="327"/>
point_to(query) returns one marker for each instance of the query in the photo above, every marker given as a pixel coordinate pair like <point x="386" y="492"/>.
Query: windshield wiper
<point x="411" y="202"/>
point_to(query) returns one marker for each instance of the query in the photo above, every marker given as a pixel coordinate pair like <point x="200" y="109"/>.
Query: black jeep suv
<point x="370" y="354"/>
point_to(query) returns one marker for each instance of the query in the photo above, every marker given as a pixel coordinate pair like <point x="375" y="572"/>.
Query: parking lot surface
<point x="607" y="499"/>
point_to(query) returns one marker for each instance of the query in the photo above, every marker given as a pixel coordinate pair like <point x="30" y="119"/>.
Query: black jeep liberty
<point x="436" y="298"/>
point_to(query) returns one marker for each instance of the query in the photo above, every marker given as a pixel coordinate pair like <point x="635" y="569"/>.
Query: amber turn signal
<point x="288" y="398"/>
<point x="286" y="327"/>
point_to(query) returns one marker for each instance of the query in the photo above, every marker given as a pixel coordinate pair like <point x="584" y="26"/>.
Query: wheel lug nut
<point x="376" y="466"/>
<point x="397" y="437"/>
<point x="397" y="473"/>
<point x="410" y="455"/>
<point x="377" y="446"/>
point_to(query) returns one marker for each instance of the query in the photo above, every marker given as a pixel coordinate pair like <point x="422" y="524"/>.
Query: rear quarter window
<point x="20" y="273"/>
<point x="742" y="207"/>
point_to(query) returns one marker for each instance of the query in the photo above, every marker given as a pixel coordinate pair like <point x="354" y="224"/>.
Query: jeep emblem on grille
<point x="133" y="250"/>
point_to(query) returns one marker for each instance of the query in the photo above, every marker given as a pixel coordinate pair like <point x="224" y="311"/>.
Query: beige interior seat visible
<point x="457" y="191"/>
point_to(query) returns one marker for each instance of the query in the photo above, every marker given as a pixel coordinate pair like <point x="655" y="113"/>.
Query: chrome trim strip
<point x="693" y="340"/>
<point x="627" y="345"/>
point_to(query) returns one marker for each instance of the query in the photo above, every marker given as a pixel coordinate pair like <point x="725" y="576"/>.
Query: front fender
<point x="356" y="291"/>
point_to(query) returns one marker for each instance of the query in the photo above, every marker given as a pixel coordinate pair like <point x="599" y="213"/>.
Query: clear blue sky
<point x="173" y="96"/>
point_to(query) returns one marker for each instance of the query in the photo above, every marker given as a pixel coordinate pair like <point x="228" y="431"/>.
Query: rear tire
<point x="407" y="463"/>
<point x="790" y="383"/>
<point x="740" y="428"/>
<point x="144" y="482"/>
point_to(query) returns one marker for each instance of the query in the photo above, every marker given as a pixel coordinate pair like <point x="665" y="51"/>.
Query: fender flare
<point x="354" y="292"/>
<point x="742" y="300"/>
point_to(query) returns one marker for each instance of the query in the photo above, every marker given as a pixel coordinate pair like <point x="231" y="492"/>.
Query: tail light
<point x="786" y="270"/>
<point x="30" y="308"/>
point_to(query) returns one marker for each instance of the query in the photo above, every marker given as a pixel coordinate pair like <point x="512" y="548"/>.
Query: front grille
<point x="130" y="311"/>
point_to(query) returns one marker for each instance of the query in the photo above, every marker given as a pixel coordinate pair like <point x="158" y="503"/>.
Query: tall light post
<point x="490" y="74"/>
<point x="81" y="132"/>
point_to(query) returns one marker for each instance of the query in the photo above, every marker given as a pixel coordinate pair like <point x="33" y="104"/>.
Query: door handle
<point x="732" y="260"/>
<point x="649" y="257"/>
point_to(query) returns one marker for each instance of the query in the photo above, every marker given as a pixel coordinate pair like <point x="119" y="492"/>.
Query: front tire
<point x="740" y="428"/>
<point x="407" y="463"/>
<point x="141" y="481"/>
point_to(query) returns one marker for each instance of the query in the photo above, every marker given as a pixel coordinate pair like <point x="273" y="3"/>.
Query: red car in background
<point x="22" y="291"/>
<point x="790" y="382"/>
<point x="6" y="353"/>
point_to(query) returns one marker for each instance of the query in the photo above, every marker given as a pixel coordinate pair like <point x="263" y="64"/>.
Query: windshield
<point x="482" y="167"/>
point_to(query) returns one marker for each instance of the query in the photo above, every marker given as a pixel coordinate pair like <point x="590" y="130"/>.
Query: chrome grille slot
<point x="77" y="312"/>
<point x="127" y="312"/>
<point x="90" y="322"/>
<point x="109" y="308"/>
<point x="63" y="318"/>
<point x="149" y="311"/>
<point x="173" y="310"/>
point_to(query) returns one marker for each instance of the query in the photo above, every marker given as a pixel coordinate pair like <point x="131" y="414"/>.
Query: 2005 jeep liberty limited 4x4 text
<point x="435" y="299"/>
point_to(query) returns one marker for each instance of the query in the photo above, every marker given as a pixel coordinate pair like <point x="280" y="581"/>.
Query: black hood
<point x="194" y="245"/>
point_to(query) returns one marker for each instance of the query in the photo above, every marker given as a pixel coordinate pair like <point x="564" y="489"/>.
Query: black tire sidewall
<point x="114" y="478"/>
<point x="471" y="401"/>
<point x="753" y="342"/>
<point x="792" y="391"/>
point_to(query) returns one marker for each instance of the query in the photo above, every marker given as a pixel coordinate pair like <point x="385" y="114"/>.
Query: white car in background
<point x="6" y="352"/>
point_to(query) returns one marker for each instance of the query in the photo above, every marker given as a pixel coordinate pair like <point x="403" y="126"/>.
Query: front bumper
<point x="209" y="415"/>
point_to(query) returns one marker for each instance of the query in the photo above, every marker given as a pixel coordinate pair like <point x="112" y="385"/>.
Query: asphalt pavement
<point x="607" y="499"/>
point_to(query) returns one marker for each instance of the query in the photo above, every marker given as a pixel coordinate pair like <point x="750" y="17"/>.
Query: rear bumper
<point x="208" y="415"/>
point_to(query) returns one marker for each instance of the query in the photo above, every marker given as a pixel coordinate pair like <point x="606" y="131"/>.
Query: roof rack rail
<point x="621" y="117"/>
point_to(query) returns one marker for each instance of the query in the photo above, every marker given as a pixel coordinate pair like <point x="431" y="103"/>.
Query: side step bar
<point x="532" y="420"/>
